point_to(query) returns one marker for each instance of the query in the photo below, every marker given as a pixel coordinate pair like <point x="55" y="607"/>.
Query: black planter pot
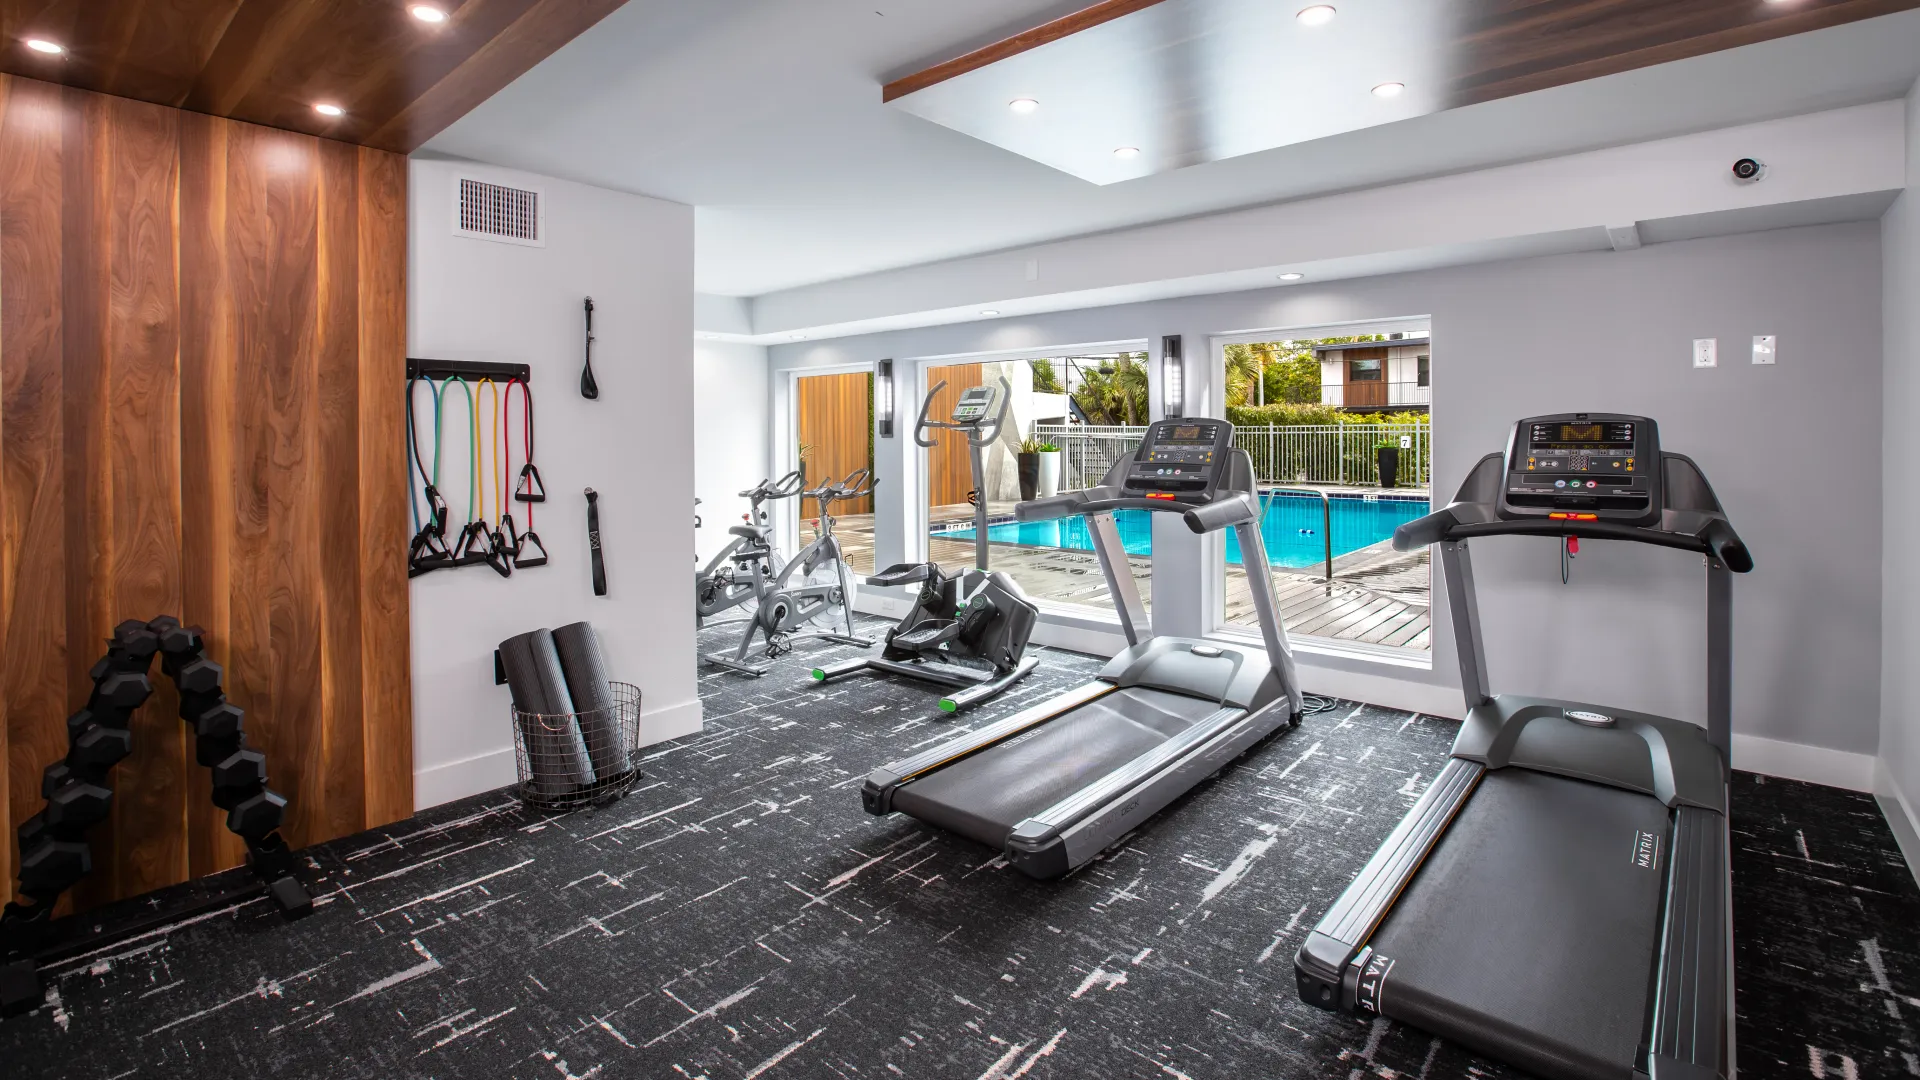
<point x="1388" y="458"/>
<point x="1029" y="475"/>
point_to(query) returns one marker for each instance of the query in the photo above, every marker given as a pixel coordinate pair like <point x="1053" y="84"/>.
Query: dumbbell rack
<point x="53" y="847"/>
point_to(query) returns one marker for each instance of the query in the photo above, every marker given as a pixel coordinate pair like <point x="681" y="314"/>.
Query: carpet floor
<point x="738" y="916"/>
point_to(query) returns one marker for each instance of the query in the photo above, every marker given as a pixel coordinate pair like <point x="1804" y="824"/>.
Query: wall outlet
<point x="1765" y="347"/>
<point x="1706" y="352"/>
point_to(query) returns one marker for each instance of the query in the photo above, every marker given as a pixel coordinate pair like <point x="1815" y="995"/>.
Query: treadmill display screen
<point x="1187" y="435"/>
<point x="1561" y="436"/>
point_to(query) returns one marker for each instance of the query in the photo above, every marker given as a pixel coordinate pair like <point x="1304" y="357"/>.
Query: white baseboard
<point x="438" y="784"/>
<point x="1428" y="699"/>
<point x="1901" y="817"/>
<point x="671" y="722"/>
<point x="874" y="602"/>
<point x="492" y="769"/>
<point x="1798" y="761"/>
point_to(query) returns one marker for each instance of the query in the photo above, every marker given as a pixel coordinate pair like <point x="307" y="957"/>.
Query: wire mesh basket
<point x="567" y="760"/>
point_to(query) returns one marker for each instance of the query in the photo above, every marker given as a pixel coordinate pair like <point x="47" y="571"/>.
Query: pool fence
<point x="1338" y="454"/>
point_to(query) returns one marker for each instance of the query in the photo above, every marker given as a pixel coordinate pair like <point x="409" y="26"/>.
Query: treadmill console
<point x="1181" y="460"/>
<point x="1583" y="467"/>
<point x="977" y="405"/>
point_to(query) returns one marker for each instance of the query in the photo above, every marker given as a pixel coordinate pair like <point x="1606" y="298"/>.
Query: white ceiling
<point x="766" y="116"/>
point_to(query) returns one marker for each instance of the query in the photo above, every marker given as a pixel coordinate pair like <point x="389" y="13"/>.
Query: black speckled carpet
<point x="738" y="916"/>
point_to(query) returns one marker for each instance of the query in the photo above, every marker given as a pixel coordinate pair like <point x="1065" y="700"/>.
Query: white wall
<point x="729" y="435"/>
<point x="1899" y="766"/>
<point x="1602" y="331"/>
<point x="476" y="300"/>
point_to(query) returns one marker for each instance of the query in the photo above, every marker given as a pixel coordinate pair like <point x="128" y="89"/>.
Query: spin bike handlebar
<point x="784" y="488"/>
<point x="991" y="428"/>
<point x="847" y="487"/>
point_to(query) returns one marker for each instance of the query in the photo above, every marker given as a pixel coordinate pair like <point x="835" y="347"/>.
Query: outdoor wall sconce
<point x="1171" y="387"/>
<point x="883" y="397"/>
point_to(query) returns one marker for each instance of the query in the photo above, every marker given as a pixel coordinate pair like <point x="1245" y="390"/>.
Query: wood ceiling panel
<point x="1190" y="81"/>
<point x="268" y="62"/>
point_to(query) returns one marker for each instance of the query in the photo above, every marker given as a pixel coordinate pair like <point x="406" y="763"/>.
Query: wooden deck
<point x="1378" y="596"/>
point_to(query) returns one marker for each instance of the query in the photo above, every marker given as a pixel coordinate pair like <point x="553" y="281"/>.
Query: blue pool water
<point x="1291" y="529"/>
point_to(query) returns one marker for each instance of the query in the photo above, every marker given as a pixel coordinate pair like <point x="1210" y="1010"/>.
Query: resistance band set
<point x="488" y="534"/>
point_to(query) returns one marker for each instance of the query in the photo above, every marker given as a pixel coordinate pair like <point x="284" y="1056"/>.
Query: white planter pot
<point x="1049" y="473"/>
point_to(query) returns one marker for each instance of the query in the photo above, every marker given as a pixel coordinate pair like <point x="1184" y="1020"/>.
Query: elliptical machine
<point x="967" y="630"/>
<point x="745" y="568"/>
<point x="822" y="598"/>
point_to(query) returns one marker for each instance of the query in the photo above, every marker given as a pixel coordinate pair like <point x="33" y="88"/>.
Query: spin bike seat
<point x="749" y="532"/>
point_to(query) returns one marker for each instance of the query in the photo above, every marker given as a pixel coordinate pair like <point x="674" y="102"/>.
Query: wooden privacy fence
<point x="202" y="345"/>
<point x="835" y="414"/>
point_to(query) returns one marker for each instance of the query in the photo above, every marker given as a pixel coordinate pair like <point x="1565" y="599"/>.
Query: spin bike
<point x="966" y="630"/>
<point x="745" y="568"/>
<point x="812" y="596"/>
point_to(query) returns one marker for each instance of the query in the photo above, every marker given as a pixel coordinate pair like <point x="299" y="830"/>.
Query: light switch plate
<point x="1765" y="348"/>
<point x="1706" y="352"/>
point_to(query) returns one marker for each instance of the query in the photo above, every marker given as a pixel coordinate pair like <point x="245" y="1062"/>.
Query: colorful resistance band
<point x="428" y="550"/>
<point x="531" y="489"/>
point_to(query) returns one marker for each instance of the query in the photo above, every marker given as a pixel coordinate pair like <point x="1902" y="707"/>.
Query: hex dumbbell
<point x="50" y="866"/>
<point x="100" y="747"/>
<point x="198" y="676"/>
<point x="134" y="637"/>
<point x="258" y="814"/>
<point x="30" y="831"/>
<point x="221" y="720"/>
<point x="54" y="777"/>
<point x="237" y="777"/>
<point x="77" y="804"/>
<point x="124" y="689"/>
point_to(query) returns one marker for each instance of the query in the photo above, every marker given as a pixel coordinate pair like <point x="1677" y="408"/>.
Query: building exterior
<point x="1374" y="376"/>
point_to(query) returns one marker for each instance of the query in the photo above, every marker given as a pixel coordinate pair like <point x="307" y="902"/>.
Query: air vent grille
<point x="496" y="212"/>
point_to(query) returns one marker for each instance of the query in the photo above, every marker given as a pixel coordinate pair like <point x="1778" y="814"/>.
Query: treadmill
<point x="1054" y="785"/>
<point x="1559" y="898"/>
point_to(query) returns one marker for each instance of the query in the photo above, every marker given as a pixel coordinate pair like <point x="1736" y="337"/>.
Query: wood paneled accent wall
<point x="202" y="355"/>
<point x="836" y="425"/>
<point x="949" y="466"/>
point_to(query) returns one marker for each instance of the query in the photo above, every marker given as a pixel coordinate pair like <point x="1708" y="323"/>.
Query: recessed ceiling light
<point x="427" y="13"/>
<point x="1291" y="277"/>
<point x="1317" y="15"/>
<point x="329" y="109"/>
<point x="1125" y="152"/>
<point x="1023" y="105"/>
<point x="1388" y="89"/>
<point x="989" y="311"/>
<point x="42" y="45"/>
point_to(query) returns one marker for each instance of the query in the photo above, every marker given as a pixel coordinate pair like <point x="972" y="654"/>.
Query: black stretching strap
<point x="593" y="543"/>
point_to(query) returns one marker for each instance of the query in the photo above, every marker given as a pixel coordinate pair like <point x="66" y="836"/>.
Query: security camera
<point x="1749" y="170"/>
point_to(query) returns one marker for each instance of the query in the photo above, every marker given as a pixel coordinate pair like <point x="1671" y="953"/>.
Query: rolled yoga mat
<point x="557" y="758"/>
<point x="586" y="670"/>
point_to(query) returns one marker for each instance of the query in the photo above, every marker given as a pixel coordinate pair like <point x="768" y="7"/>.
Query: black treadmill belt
<point x="1529" y="933"/>
<point x="984" y="796"/>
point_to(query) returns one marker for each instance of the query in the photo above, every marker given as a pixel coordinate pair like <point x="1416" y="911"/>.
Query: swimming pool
<point x="1290" y="530"/>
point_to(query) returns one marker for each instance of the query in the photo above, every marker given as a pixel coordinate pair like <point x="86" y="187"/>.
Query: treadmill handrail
<point x="1201" y="517"/>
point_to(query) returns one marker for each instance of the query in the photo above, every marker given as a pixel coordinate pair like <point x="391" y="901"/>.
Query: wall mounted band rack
<point x="471" y="370"/>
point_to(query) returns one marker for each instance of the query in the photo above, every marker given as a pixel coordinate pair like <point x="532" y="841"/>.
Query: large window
<point x="1338" y="428"/>
<point x="1071" y="416"/>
